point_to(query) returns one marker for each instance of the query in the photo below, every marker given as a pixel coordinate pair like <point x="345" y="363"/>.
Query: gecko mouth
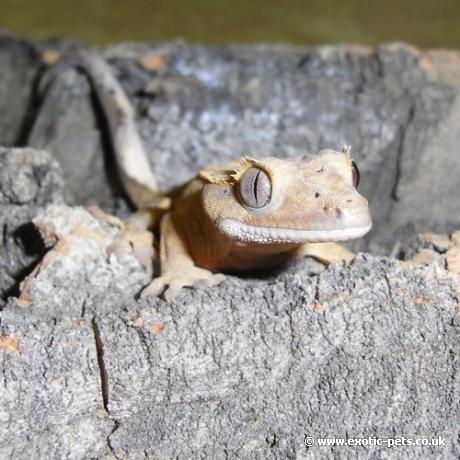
<point x="252" y="233"/>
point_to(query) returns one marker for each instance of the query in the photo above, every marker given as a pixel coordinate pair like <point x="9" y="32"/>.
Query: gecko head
<point x="309" y="199"/>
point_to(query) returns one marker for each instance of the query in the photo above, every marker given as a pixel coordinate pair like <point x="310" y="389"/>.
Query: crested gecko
<point x="250" y="214"/>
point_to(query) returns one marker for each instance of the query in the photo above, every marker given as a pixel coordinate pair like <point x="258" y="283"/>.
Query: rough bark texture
<point x="251" y="367"/>
<point x="29" y="180"/>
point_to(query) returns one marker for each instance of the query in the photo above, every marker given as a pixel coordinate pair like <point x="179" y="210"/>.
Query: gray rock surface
<point x="29" y="180"/>
<point x="67" y="125"/>
<point x="245" y="370"/>
<point x="50" y="394"/>
<point x="249" y="374"/>
<point x="19" y="64"/>
<point x="251" y="367"/>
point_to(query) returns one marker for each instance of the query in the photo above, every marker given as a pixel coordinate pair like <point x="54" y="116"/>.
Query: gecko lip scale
<point x="245" y="232"/>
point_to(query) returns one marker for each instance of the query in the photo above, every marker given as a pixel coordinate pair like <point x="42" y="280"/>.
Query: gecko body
<point x="249" y="214"/>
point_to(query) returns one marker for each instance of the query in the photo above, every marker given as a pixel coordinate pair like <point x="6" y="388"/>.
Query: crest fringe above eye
<point x="216" y="175"/>
<point x="230" y="173"/>
<point x="243" y="165"/>
<point x="346" y="150"/>
<point x="246" y="163"/>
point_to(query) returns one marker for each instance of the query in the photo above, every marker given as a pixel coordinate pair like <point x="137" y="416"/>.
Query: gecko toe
<point x="155" y="288"/>
<point x="212" y="280"/>
<point x="168" y="286"/>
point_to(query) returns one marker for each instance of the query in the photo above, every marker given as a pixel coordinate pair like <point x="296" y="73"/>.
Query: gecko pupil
<point x="355" y="174"/>
<point x="255" y="188"/>
<point x="254" y="185"/>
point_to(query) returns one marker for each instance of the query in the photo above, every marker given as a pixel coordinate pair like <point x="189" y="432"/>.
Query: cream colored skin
<point x="206" y="227"/>
<point x="209" y="228"/>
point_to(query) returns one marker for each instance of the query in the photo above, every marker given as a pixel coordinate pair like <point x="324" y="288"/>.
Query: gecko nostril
<point x="317" y="195"/>
<point x="331" y="209"/>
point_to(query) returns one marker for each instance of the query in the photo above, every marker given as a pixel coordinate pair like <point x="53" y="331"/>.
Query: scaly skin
<point x="209" y="226"/>
<point x="247" y="215"/>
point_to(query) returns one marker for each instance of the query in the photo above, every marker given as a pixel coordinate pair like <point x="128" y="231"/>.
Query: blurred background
<point x="425" y="23"/>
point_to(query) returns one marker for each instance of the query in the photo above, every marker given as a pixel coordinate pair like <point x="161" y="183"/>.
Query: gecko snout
<point x="354" y="213"/>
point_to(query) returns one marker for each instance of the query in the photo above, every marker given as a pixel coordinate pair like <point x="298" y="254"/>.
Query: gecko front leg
<point x="177" y="267"/>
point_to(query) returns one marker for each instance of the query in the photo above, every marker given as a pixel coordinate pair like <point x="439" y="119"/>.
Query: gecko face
<point x="272" y="201"/>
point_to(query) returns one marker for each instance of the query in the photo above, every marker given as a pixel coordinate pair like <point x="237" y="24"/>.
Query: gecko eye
<point x="255" y="188"/>
<point x="355" y="174"/>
